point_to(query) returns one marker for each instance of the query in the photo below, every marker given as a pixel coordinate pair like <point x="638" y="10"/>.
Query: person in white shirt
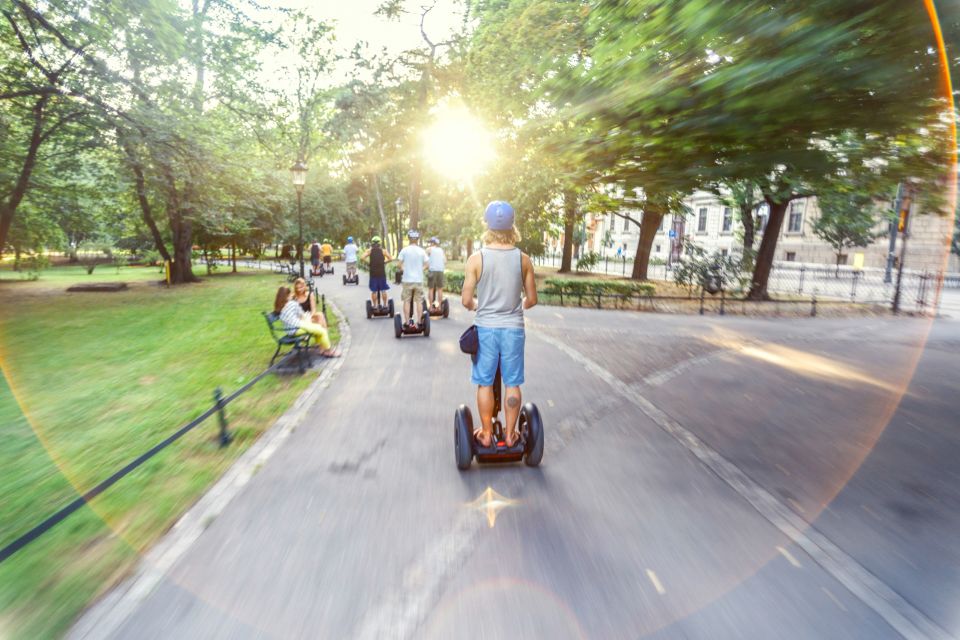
<point x="350" y="257"/>
<point x="413" y="259"/>
<point x="438" y="263"/>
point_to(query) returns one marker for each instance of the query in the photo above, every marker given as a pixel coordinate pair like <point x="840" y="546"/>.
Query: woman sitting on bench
<point x="307" y="302"/>
<point x="298" y="323"/>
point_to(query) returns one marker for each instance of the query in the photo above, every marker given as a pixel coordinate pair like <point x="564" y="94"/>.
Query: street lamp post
<point x="299" y="174"/>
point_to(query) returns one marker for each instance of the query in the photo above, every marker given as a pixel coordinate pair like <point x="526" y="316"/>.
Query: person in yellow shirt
<point x="326" y="249"/>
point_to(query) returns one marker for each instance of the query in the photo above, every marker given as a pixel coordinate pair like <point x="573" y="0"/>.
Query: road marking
<point x="104" y="618"/>
<point x="558" y="315"/>
<point x="906" y="619"/>
<point x="656" y="582"/>
<point x="550" y="402"/>
<point x="834" y="598"/>
<point x="789" y="556"/>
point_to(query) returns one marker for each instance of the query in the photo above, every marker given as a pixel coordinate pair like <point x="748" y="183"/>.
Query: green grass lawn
<point x="92" y="380"/>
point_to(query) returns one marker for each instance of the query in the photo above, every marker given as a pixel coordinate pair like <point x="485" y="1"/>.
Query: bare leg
<point x="439" y="296"/>
<point x="485" y="408"/>
<point x="512" y="412"/>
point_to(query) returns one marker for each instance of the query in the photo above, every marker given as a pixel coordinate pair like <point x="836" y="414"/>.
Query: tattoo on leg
<point x="513" y="402"/>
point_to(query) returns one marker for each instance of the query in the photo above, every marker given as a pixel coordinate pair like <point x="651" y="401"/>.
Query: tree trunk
<point x="9" y="208"/>
<point x="469" y="246"/>
<point x="141" y="191"/>
<point x="569" y="221"/>
<point x="233" y="255"/>
<point x="768" y="248"/>
<point x="746" y="219"/>
<point x="383" y="215"/>
<point x="649" y="225"/>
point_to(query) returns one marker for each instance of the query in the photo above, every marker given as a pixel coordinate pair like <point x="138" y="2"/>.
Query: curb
<point x="107" y="615"/>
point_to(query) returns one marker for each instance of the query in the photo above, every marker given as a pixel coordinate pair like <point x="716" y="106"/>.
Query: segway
<point x="354" y="280"/>
<point x="379" y="310"/>
<point x="528" y="447"/>
<point x="325" y="268"/>
<point x="414" y="329"/>
<point x="437" y="310"/>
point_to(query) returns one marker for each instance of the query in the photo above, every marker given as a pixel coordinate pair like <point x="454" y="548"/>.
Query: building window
<point x="791" y="256"/>
<point x="795" y="225"/>
<point x="760" y="222"/>
<point x="842" y="259"/>
<point x="727" y="219"/>
<point x="702" y="220"/>
<point x="657" y="250"/>
<point x="724" y="252"/>
<point x="626" y="225"/>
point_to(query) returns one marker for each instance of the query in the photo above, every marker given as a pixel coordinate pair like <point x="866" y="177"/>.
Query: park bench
<point x="299" y="345"/>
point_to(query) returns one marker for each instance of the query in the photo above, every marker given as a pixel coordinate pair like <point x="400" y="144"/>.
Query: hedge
<point x="583" y="286"/>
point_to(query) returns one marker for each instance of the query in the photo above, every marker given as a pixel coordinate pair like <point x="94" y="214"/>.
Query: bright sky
<point x="354" y="20"/>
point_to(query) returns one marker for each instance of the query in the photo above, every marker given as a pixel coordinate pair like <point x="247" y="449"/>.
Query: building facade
<point x="716" y="227"/>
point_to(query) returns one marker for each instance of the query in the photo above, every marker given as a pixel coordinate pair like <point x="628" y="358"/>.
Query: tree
<point x="769" y="93"/>
<point x="846" y="220"/>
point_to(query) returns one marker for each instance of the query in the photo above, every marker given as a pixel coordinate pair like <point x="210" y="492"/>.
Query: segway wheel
<point x="425" y="318"/>
<point x="463" y="437"/>
<point x="397" y="326"/>
<point x="369" y="309"/>
<point x="533" y="425"/>
<point x="344" y="279"/>
<point x="331" y="270"/>
<point x="425" y="306"/>
<point x="390" y="306"/>
<point x="445" y="305"/>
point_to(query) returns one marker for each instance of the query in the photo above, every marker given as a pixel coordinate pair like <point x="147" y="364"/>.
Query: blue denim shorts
<point x="499" y="345"/>
<point x="378" y="284"/>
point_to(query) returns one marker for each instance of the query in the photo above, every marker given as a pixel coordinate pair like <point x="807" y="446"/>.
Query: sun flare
<point x="456" y="144"/>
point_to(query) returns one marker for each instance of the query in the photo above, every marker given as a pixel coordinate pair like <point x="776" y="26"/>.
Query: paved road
<point x="703" y="478"/>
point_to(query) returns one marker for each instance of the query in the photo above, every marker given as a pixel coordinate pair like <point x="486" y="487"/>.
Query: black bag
<point x="470" y="341"/>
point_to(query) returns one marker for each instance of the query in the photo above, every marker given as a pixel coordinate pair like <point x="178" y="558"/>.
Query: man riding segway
<point x="437" y="305"/>
<point x="350" y="251"/>
<point x="413" y="260"/>
<point x="378" y="258"/>
<point x="508" y="288"/>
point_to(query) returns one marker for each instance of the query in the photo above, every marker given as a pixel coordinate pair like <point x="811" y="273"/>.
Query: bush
<point x="588" y="261"/>
<point x="582" y="287"/>
<point x="453" y="281"/>
<point x="33" y="265"/>
<point x="705" y="271"/>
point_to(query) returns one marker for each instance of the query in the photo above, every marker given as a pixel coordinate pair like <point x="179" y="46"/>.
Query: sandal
<point x="507" y="440"/>
<point x="330" y="353"/>
<point x="477" y="433"/>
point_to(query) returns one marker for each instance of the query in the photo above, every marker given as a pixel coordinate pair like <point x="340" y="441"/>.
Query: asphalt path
<point x="704" y="477"/>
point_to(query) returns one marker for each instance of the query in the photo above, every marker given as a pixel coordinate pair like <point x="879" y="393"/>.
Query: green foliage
<point x="708" y="271"/>
<point x="585" y="286"/>
<point x="588" y="261"/>
<point x="453" y="281"/>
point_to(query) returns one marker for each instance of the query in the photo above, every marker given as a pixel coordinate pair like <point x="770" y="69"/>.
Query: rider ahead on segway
<point x="378" y="258"/>
<point x="508" y="287"/>
<point x="413" y="260"/>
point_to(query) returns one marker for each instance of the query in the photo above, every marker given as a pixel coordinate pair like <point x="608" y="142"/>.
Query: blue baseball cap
<point x="349" y="239"/>
<point x="499" y="215"/>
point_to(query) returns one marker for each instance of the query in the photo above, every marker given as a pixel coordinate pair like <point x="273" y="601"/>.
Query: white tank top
<point x="500" y="289"/>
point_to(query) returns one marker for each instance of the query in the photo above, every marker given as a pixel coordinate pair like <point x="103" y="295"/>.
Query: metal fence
<point x="919" y="290"/>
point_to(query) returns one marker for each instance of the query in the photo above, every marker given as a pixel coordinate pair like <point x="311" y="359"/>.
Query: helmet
<point x="434" y="240"/>
<point x="413" y="234"/>
<point x="349" y="239"/>
<point x="375" y="239"/>
<point x="499" y="215"/>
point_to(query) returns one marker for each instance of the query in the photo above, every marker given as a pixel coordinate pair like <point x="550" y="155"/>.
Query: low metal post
<point x="606" y="264"/>
<point x="853" y="289"/>
<point x="802" y="271"/>
<point x="813" y="306"/>
<point x="701" y="301"/>
<point x="624" y="265"/>
<point x="598" y="298"/>
<point x="225" y="436"/>
<point x="723" y="299"/>
<point x="323" y="304"/>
